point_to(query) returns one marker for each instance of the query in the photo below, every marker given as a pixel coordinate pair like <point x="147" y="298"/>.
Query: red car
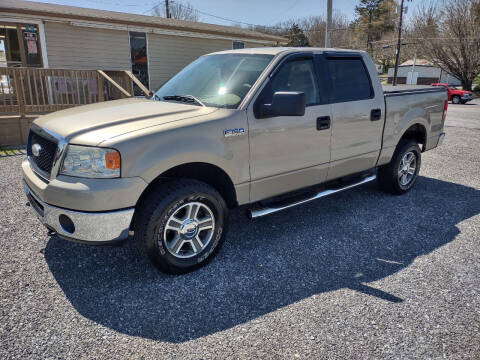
<point x="455" y="95"/>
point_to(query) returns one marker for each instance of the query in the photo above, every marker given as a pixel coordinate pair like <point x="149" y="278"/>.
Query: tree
<point x="449" y="36"/>
<point x="296" y="36"/>
<point x="177" y="11"/>
<point x="375" y="18"/>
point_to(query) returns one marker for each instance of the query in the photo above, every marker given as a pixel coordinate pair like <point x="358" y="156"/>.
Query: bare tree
<point x="177" y="11"/>
<point x="315" y="27"/>
<point x="449" y="36"/>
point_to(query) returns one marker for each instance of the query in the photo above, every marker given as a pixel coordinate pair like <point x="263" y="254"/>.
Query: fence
<point x="33" y="90"/>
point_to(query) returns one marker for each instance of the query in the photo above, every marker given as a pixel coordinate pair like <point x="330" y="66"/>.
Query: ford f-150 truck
<point x="455" y="95"/>
<point x="266" y="128"/>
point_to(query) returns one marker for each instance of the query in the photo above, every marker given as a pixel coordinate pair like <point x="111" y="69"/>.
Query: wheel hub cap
<point x="189" y="228"/>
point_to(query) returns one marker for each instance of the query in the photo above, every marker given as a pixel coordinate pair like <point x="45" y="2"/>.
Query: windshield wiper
<point x="184" y="98"/>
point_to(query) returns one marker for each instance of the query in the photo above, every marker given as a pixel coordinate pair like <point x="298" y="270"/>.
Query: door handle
<point x="376" y="114"/>
<point x="323" y="122"/>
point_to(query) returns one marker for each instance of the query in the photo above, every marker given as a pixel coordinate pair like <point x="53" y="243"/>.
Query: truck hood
<point x="94" y="123"/>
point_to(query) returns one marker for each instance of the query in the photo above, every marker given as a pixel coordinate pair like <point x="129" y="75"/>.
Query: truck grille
<point x="46" y="155"/>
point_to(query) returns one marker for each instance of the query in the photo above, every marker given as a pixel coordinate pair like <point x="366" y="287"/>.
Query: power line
<point x="351" y="27"/>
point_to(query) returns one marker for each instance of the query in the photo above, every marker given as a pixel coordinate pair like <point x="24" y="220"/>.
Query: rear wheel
<point x="401" y="173"/>
<point x="456" y="99"/>
<point x="181" y="225"/>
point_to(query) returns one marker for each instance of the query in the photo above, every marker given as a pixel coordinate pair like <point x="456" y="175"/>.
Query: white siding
<point x="167" y="54"/>
<point x="423" y="71"/>
<point x="74" y="47"/>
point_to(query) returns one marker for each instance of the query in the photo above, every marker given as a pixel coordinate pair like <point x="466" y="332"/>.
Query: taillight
<point x="445" y="107"/>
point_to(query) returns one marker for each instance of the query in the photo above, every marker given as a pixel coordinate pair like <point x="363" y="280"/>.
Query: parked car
<point x="456" y="96"/>
<point x="267" y="128"/>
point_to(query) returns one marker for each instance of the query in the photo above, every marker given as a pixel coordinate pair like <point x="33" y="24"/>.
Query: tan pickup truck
<point x="268" y="128"/>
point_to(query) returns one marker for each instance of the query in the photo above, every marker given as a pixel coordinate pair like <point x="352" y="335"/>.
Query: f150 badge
<point x="233" y="132"/>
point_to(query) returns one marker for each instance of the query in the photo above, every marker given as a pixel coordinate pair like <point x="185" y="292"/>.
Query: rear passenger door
<point x="357" y="114"/>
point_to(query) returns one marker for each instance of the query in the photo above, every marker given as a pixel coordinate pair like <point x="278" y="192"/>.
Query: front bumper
<point x="91" y="227"/>
<point x="467" y="98"/>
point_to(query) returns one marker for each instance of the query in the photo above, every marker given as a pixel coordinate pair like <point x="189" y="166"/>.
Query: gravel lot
<point x="357" y="275"/>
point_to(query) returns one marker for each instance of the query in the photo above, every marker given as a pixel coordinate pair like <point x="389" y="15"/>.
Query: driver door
<point x="290" y="152"/>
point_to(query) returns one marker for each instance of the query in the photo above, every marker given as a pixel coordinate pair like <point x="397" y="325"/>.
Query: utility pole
<point x="329" y="24"/>
<point x="399" y="43"/>
<point x="167" y="10"/>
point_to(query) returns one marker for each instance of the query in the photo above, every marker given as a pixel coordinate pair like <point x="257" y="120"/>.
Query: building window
<point x="238" y="45"/>
<point x="138" y="56"/>
<point x="20" y="45"/>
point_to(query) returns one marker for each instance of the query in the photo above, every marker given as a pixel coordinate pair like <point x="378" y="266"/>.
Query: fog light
<point x="66" y="223"/>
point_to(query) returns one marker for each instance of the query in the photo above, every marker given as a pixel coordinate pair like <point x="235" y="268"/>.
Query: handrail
<point x="125" y="92"/>
<point x="142" y="87"/>
<point x="38" y="90"/>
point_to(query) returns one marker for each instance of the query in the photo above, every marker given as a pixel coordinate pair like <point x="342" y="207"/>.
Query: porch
<point x="26" y="93"/>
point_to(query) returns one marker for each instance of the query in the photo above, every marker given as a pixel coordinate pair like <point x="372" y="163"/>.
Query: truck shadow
<point x="343" y="241"/>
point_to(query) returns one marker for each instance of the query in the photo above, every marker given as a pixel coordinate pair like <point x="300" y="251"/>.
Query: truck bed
<point x="405" y="104"/>
<point x="402" y="89"/>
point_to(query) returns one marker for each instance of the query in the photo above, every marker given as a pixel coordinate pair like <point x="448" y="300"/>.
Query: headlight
<point x="91" y="162"/>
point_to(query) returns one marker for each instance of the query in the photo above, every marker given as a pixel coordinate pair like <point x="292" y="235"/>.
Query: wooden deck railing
<point x="33" y="90"/>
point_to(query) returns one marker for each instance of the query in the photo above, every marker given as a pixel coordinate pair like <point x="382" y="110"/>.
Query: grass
<point x="12" y="150"/>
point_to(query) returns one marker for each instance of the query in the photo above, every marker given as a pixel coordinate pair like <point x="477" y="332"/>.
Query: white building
<point x="421" y="72"/>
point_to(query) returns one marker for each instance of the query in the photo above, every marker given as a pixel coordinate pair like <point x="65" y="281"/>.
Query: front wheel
<point x="180" y="226"/>
<point x="456" y="99"/>
<point x="401" y="173"/>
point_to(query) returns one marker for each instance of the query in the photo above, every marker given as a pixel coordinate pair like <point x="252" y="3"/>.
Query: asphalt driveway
<point x="357" y="275"/>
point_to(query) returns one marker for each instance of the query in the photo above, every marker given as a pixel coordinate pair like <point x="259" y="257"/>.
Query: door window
<point x="138" y="55"/>
<point x="350" y="80"/>
<point x="296" y="75"/>
<point x="31" y="45"/>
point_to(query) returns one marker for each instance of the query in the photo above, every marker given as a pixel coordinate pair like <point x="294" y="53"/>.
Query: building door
<point x="412" y="78"/>
<point x="139" y="60"/>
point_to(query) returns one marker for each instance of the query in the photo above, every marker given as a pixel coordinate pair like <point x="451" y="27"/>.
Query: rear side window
<point x="350" y="80"/>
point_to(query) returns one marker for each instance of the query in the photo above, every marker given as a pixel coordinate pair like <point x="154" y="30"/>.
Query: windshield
<point x="220" y="80"/>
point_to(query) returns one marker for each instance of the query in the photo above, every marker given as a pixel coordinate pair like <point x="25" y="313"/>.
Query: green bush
<point x="476" y="89"/>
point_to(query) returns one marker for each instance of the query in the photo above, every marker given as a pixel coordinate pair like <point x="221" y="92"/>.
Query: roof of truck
<point x="278" y="50"/>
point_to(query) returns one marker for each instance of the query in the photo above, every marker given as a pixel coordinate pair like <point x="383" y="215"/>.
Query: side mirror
<point x="285" y="103"/>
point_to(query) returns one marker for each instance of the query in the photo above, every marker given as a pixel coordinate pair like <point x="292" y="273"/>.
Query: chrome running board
<point x="273" y="209"/>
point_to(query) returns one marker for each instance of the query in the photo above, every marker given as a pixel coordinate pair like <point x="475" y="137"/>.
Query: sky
<point x="262" y="12"/>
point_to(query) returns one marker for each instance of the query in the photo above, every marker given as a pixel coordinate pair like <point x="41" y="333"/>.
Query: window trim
<point x="346" y="56"/>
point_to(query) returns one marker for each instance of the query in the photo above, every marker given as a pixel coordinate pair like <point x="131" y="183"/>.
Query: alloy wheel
<point x="189" y="230"/>
<point x="407" y="168"/>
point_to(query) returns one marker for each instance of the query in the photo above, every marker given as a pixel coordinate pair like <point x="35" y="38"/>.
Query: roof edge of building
<point x="42" y="13"/>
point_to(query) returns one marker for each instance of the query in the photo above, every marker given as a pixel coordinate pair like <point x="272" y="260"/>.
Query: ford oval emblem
<point x="36" y="148"/>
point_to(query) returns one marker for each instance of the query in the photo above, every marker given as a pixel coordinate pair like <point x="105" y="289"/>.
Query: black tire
<point x="388" y="175"/>
<point x="455" y="99"/>
<point x="158" y="208"/>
